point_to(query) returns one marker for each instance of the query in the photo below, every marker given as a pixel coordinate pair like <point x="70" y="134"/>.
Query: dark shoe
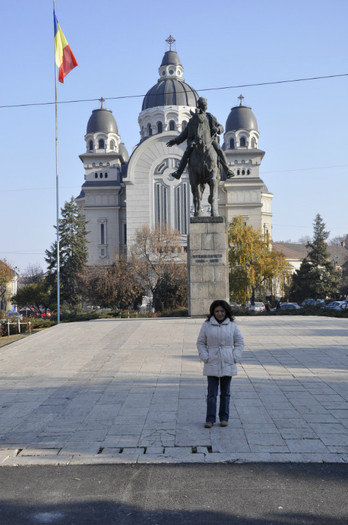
<point x="223" y="423"/>
<point x="229" y="174"/>
<point x="208" y="424"/>
<point x="176" y="175"/>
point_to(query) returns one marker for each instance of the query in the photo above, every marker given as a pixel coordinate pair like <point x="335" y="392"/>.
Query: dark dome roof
<point x="171" y="57"/>
<point x="241" y="117"/>
<point x="102" y="120"/>
<point x="170" y="92"/>
<point x="123" y="151"/>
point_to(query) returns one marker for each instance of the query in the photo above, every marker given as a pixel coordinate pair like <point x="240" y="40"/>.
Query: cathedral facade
<point x="120" y="194"/>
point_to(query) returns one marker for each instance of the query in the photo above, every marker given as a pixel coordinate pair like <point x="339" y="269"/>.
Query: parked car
<point x="29" y="311"/>
<point x="235" y="306"/>
<point x="313" y="302"/>
<point x="290" y="306"/>
<point x="343" y="306"/>
<point x="14" y="315"/>
<point x="257" y="307"/>
<point x="308" y="302"/>
<point x="334" y="305"/>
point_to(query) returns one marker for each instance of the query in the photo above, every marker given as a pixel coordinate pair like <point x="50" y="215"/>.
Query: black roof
<point x="170" y="57"/>
<point x="170" y="92"/>
<point x="241" y="117"/>
<point x="102" y="120"/>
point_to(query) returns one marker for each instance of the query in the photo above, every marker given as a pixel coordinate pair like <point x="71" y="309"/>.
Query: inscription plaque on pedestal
<point x="207" y="263"/>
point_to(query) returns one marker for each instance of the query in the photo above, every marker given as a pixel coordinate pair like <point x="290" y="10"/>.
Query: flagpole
<point x="57" y="183"/>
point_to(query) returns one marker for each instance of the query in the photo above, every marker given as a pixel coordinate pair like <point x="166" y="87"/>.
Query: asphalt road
<point x="182" y="494"/>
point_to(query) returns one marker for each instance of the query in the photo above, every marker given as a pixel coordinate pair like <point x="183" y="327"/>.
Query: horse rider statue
<point x="189" y="134"/>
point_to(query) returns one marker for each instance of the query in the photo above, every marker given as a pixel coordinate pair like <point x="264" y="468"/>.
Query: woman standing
<point x="220" y="346"/>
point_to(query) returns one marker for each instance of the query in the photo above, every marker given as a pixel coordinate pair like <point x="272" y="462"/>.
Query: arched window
<point x="90" y="145"/>
<point x="149" y="130"/>
<point x="112" y="144"/>
<point x="159" y="127"/>
<point x="171" y="125"/>
<point x="253" y="142"/>
<point x="101" y="144"/>
<point x="242" y="142"/>
<point x="231" y="143"/>
<point x="184" y="124"/>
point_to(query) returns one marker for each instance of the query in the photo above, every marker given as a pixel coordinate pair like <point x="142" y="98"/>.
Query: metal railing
<point x="16" y="323"/>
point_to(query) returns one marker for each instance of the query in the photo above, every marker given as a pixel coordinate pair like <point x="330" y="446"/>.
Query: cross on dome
<point x="241" y="98"/>
<point x="101" y="100"/>
<point x="170" y="40"/>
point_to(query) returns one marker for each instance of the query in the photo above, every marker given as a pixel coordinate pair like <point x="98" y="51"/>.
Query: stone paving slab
<point x="132" y="391"/>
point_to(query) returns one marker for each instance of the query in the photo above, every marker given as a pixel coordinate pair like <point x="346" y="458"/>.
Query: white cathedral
<point x="121" y="193"/>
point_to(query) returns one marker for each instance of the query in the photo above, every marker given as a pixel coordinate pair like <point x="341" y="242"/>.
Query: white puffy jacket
<point x="220" y="347"/>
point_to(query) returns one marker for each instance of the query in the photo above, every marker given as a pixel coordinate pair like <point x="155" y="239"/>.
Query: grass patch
<point x="7" y="339"/>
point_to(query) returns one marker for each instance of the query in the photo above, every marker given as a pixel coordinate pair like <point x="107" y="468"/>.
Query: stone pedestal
<point x="207" y="263"/>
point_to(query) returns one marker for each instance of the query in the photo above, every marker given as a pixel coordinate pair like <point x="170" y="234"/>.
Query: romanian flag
<point x="64" y="57"/>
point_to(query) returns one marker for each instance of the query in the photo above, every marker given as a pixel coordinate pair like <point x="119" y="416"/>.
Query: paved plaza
<point x="132" y="391"/>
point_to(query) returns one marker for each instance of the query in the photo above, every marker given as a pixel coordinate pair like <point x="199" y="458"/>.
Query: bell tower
<point x="102" y="194"/>
<point x="245" y="194"/>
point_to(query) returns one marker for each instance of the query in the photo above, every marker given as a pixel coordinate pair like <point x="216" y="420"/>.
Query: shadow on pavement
<point x="175" y="494"/>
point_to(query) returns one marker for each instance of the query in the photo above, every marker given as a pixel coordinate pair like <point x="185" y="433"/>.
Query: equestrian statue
<point x="203" y="156"/>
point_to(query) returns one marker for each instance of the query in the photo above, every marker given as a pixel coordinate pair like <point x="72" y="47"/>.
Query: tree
<point x="73" y="253"/>
<point x="172" y="288"/>
<point x="111" y="286"/>
<point x="35" y="295"/>
<point x="317" y="276"/>
<point x="340" y="240"/>
<point x="160" y="266"/>
<point x="6" y="274"/>
<point x="32" y="274"/>
<point x="304" y="239"/>
<point x="254" y="267"/>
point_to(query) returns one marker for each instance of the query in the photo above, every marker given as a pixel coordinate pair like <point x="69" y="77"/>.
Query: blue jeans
<point x="213" y="389"/>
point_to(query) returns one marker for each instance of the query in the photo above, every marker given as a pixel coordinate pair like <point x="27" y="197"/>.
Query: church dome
<point x="170" y="92"/>
<point x="171" y="89"/>
<point x="102" y="120"/>
<point x="241" y="117"/>
<point x="123" y="151"/>
<point x="170" y="57"/>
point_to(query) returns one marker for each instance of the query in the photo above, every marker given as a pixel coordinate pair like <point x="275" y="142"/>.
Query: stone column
<point x="207" y="263"/>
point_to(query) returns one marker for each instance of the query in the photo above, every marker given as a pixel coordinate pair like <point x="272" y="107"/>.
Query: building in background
<point x="121" y="194"/>
<point x="246" y="194"/>
<point x="102" y="196"/>
<point x="11" y="288"/>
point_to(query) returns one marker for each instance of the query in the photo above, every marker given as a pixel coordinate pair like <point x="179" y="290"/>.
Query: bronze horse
<point x="202" y="165"/>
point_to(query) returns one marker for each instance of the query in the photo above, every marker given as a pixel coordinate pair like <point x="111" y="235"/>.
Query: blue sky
<point x="119" y="47"/>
